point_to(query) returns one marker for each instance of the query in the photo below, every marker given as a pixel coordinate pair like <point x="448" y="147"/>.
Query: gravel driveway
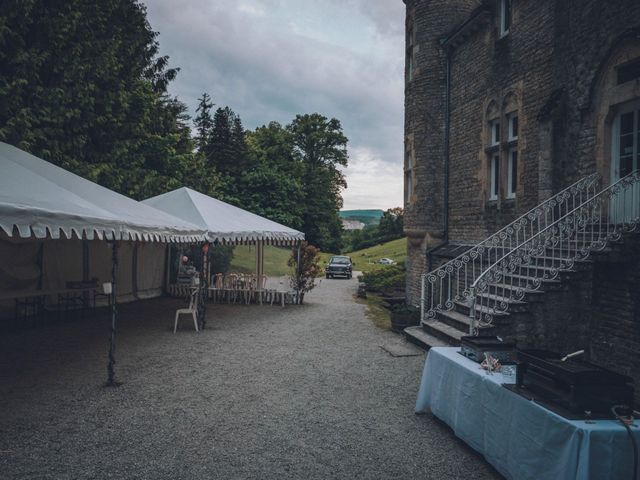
<point x="302" y="392"/>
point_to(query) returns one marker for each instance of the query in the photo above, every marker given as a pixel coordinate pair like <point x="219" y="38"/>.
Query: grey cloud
<point x="387" y="15"/>
<point x="267" y="71"/>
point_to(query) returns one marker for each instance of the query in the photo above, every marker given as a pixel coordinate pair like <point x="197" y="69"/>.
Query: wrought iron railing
<point x="452" y="281"/>
<point x="588" y="227"/>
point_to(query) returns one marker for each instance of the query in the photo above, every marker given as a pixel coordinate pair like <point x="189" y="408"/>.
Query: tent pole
<point x="167" y="268"/>
<point x="258" y="270"/>
<point x="111" y="381"/>
<point x="257" y="258"/>
<point x="85" y="271"/>
<point x="134" y="271"/>
<point x="261" y="269"/>
<point x="204" y="281"/>
<point x="85" y="260"/>
<point x="298" y="275"/>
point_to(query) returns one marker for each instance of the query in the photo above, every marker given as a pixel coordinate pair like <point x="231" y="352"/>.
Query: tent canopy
<point x="224" y="223"/>
<point x="40" y="199"/>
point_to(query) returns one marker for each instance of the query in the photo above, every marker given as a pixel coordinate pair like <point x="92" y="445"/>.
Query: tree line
<point x="83" y="85"/>
<point x="390" y="227"/>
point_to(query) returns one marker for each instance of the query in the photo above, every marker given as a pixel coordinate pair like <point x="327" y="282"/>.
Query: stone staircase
<point x="449" y="326"/>
<point x="503" y="282"/>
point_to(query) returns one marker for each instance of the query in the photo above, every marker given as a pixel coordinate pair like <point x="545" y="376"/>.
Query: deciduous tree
<point x="322" y="147"/>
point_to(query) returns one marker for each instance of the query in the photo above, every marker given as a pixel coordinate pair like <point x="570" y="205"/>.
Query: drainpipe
<point x="447" y="123"/>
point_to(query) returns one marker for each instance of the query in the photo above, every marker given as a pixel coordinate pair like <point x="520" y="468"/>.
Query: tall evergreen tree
<point x="82" y="85"/>
<point x="238" y="147"/>
<point x="204" y="124"/>
<point x="221" y="145"/>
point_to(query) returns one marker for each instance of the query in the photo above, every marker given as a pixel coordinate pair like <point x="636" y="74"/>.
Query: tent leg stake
<point x="111" y="373"/>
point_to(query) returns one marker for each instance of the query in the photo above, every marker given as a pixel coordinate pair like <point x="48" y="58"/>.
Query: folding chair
<point x="192" y="310"/>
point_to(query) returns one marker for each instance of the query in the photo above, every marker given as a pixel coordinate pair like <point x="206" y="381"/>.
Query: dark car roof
<point x="339" y="257"/>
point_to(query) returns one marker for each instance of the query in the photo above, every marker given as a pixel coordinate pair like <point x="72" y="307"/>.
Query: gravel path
<point x="267" y="393"/>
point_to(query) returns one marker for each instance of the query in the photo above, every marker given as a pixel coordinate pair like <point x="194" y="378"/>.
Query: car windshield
<point x="341" y="260"/>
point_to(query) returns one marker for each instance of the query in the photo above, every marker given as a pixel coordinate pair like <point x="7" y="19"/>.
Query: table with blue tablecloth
<point x="520" y="438"/>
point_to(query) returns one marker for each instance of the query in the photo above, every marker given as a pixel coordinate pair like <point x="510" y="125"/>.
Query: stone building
<point x="508" y="102"/>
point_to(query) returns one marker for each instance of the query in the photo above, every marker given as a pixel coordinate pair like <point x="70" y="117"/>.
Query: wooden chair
<point x="192" y="310"/>
<point x="217" y="287"/>
<point x="262" y="287"/>
<point x="231" y="287"/>
<point x="248" y="286"/>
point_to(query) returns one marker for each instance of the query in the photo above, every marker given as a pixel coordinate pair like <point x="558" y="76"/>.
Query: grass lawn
<point x="376" y="312"/>
<point x="275" y="260"/>
<point x="365" y="259"/>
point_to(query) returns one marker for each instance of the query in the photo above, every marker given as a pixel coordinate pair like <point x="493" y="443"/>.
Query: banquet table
<point x="520" y="438"/>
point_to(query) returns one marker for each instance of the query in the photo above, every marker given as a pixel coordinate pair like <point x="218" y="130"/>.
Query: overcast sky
<point x="272" y="59"/>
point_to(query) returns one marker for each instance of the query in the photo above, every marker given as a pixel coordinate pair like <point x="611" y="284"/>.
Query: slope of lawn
<point x="275" y="260"/>
<point x="365" y="259"/>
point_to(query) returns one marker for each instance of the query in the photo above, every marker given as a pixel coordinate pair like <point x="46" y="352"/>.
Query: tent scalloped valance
<point x="39" y="199"/>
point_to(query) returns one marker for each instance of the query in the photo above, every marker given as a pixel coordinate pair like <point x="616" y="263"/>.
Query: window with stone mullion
<point x="512" y="155"/>
<point x="505" y="17"/>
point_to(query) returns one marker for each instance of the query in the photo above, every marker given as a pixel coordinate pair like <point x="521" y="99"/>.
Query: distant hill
<point x="368" y="217"/>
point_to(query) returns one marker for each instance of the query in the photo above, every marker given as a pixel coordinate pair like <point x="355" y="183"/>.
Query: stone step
<point x="593" y="235"/>
<point x="465" y="309"/>
<point x="547" y="284"/>
<point x="455" y="319"/>
<point x="419" y="337"/>
<point x="548" y="261"/>
<point x="562" y="250"/>
<point x="529" y="295"/>
<point x="536" y="270"/>
<point x="443" y="332"/>
<point x="492" y="297"/>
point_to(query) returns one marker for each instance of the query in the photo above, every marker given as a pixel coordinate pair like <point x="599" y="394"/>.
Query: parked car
<point x="386" y="261"/>
<point x="339" y="265"/>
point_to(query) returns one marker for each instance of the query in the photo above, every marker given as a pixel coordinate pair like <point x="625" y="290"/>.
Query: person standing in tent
<point x="187" y="272"/>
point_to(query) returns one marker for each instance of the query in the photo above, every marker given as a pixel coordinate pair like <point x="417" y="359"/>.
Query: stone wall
<point x="492" y="76"/>
<point x="615" y="312"/>
<point x="590" y="38"/>
<point x="551" y="68"/>
<point x="424" y="128"/>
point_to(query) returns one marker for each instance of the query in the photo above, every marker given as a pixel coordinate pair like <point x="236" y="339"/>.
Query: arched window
<point x="616" y="103"/>
<point x="625" y="139"/>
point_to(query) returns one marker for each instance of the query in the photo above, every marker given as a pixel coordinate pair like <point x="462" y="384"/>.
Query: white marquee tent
<point x="52" y="223"/>
<point x="224" y="222"/>
<point x="39" y="199"/>
<point x="42" y="204"/>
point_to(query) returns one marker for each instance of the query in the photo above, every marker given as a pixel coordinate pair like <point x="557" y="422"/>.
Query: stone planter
<point x="400" y="321"/>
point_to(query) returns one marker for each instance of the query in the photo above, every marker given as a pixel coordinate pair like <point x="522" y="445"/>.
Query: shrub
<point x="303" y="277"/>
<point x="403" y="308"/>
<point x="220" y="258"/>
<point x="385" y="279"/>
